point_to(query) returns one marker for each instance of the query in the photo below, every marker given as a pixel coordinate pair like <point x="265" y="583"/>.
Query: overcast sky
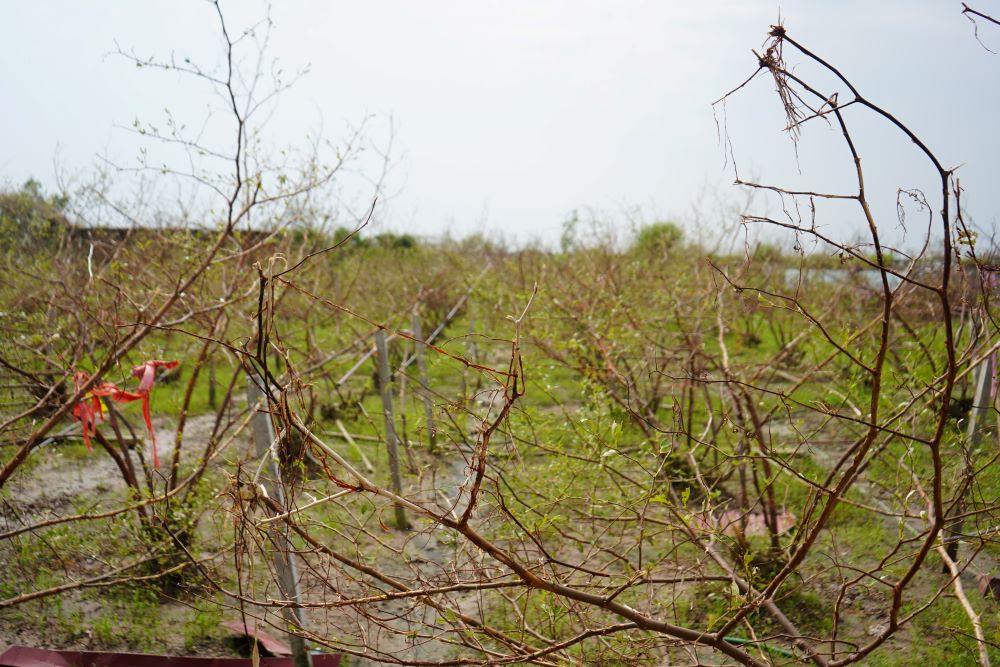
<point x="510" y="115"/>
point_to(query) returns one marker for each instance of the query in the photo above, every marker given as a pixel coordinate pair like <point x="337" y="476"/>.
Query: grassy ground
<point x="632" y="420"/>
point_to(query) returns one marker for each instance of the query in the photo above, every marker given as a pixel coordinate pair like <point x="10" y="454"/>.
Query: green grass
<point x="575" y="465"/>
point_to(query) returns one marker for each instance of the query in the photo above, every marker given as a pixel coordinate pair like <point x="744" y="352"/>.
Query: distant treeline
<point x="31" y="221"/>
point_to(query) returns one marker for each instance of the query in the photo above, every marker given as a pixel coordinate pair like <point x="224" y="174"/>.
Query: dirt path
<point x="64" y="482"/>
<point x="58" y="482"/>
<point x="428" y="555"/>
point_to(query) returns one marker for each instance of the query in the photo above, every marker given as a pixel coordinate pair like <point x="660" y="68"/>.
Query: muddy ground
<point x="62" y="483"/>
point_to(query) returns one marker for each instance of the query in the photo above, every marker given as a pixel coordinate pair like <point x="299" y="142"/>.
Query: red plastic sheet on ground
<point x="25" y="656"/>
<point x="251" y="631"/>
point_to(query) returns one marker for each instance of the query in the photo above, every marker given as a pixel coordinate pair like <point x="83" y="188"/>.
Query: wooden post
<point x="211" y="384"/>
<point x="391" y="441"/>
<point x="284" y="559"/>
<point x="470" y="395"/>
<point x="420" y="354"/>
<point x="982" y="405"/>
<point x="404" y="439"/>
<point x="472" y="352"/>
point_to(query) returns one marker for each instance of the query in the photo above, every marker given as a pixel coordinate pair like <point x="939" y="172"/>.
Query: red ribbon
<point x="89" y="411"/>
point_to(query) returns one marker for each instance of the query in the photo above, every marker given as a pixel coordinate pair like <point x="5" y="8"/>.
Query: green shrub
<point x="30" y="221"/>
<point x="658" y="237"/>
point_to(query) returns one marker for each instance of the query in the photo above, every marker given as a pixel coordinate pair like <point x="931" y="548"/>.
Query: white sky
<point x="510" y="115"/>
